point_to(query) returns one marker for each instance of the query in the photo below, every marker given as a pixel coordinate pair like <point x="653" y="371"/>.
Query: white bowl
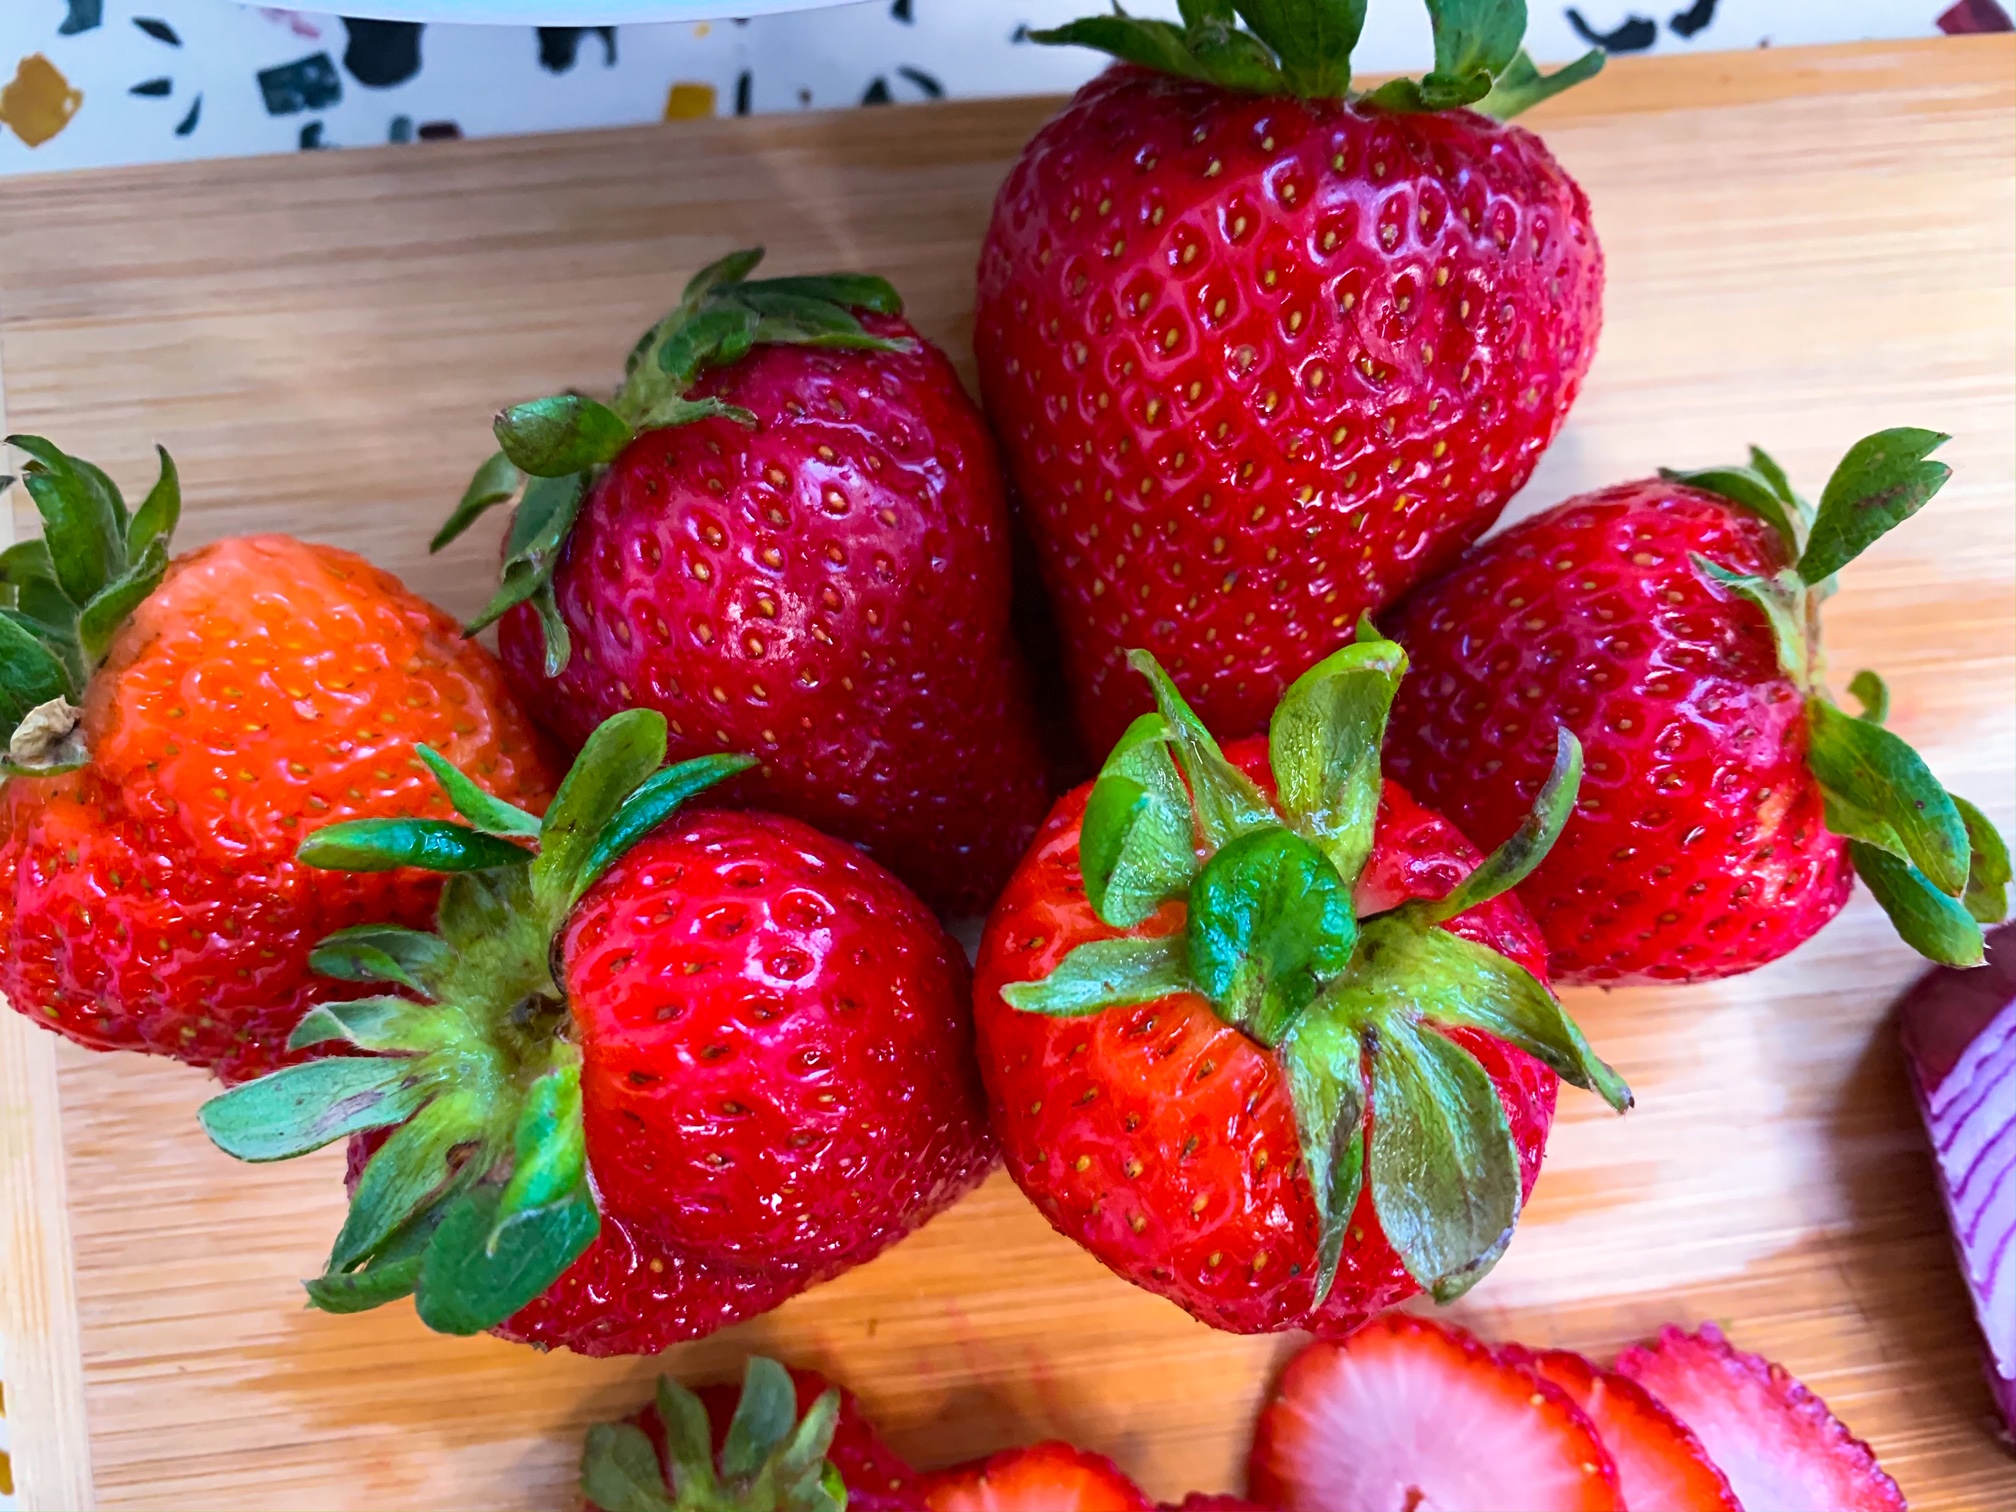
<point x="571" y="12"/>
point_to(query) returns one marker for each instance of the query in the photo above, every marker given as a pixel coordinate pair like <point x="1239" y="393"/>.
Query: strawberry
<point x="786" y="1442"/>
<point x="1262" y="1033"/>
<point x="796" y="548"/>
<point x="174" y="728"/>
<point x="1661" y="1466"/>
<point x="1672" y="624"/>
<point x="1262" y="354"/>
<point x="649" y="1079"/>
<point x="1780" y="1447"/>
<point x="1045" y="1477"/>
<point x="1408" y="1414"/>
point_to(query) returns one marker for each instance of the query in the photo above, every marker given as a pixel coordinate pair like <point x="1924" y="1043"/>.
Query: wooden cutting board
<point x="1804" y="246"/>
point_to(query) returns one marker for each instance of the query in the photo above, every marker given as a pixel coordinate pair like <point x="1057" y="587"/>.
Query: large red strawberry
<point x="174" y="728"/>
<point x="1672" y="624"/>
<point x="1262" y="354"/>
<point x="1406" y="1414"/>
<point x="787" y="536"/>
<point x="652" y="1078"/>
<point x="1262" y="1033"/>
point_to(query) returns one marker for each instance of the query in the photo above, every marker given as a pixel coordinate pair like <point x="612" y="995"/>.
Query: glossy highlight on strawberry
<point x="215" y="709"/>
<point x="1262" y="356"/>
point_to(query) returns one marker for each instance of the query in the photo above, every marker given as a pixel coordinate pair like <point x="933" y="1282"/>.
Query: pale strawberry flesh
<point x="1408" y="1416"/>
<point x="1661" y="1466"/>
<point x="1779" y="1445"/>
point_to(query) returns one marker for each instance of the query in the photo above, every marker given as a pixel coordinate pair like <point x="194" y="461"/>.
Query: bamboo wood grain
<point x="1803" y="246"/>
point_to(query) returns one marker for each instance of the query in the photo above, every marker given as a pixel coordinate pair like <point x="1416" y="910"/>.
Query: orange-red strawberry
<point x="1046" y="1477"/>
<point x="176" y="729"/>
<point x="1263" y="1034"/>
<point x="1263" y="354"/>
<point x="1672" y="624"/>
<point x="1661" y="1466"/>
<point x="1777" y="1443"/>
<point x="1406" y="1414"/>
<point x="651" y="1078"/>
<point x="797" y="549"/>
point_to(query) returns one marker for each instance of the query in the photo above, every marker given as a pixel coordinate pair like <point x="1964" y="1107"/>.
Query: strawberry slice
<point x="1045" y="1477"/>
<point x="1406" y="1414"/>
<point x="1661" y="1466"/>
<point x="1780" y="1447"/>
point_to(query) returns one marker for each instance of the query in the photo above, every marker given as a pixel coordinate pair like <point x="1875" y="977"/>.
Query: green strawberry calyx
<point x="480" y="1197"/>
<point x="65" y="594"/>
<point x="1303" y="48"/>
<point x="1272" y="940"/>
<point x="1933" y="860"/>
<point x="551" y="450"/>
<point x="772" y="1460"/>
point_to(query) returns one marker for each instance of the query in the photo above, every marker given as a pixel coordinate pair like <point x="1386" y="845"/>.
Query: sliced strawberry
<point x="1780" y="1447"/>
<point x="1407" y="1414"/>
<point x="1211" y="1501"/>
<point x="1661" y="1466"/>
<point x="1045" y="1477"/>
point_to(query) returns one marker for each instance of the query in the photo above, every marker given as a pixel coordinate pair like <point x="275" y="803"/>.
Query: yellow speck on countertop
<point x="687" y="101"/>
<point x="39" y="101"/>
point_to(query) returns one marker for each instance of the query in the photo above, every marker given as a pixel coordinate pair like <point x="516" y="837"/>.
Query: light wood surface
<point x="1803" y="247"/>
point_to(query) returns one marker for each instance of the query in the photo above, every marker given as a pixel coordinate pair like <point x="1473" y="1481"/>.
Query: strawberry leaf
<point x="1270" y="923"/>
<point x="382" y="953"/>
<point x="160" y="512"/>
<point x="374" y="845"/>
<point x="1782" y="604"/>
<point x="764" y="1416"/>
<point x="496" y="482"/>
<point x="1104" y="974"/>
<point x="30" y="673"/>
<point x="653" y="802"/>
<point x="1444" y="1169"/>
<point x="305" y="1107"/>
<point x="1876" y="771"/>
<point x="1323" y="746"/>
<point x="1750" y="489"/>
<point x="476" y="1272"/>
<point x="1226" y="802"/>
<point x="859" y="291"/>
<point x="1988" y="876"/>
<point x="1870" y="691"/>
<point x="80" y="522"/>
<point x="624" y="750"/>
<point x="1151" y="44"/>
<point x="1513" y="862"/>
<point x="1882" y="482"/>
<point x="1313" y="39"/>
<point x="550" y="1141"/>
<point x="1521" y="85"/>
<point x="1136" y="844"/>
<point x="489" y="814"/>
<point x="560" y="434"/>
<point x="1322" y="1060"/>
<point x="377" y="1024"/>
<point x="1928" y="920"/>
<point x="112" y="604"/>
<point x="1462" y="984"/>
<point x="620" y="1471"/>
<point x="388" y="1276"/>
<point x="415" y="1168"/>
<point x="539" y="529"/>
